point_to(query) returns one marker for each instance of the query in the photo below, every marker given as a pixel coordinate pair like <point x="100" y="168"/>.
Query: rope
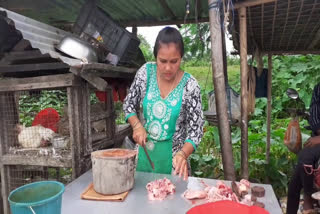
<point x="33" y="212"/>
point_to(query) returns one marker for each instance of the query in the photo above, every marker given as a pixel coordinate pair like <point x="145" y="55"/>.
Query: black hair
<point x="169" y="35"/>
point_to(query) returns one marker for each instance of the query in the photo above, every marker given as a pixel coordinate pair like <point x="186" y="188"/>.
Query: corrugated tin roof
<point x="40" y="35"/>
<point x="281" y="26"/>
<point x="126" y="12"/>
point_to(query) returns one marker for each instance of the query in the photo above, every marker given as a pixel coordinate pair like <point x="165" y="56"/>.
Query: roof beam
<point x="285" y="24"/>
<point x="304" y="28"/>
<point x="251" y="3"/>
<point x="167" y="8"/>
<point x="295" y="27"/>
<point x="199" y="9"/>
<point x="286" y="52"/>
<point x="273" y="23"/>
<point x="315" y="41"/>
<point x="166" y="22"/>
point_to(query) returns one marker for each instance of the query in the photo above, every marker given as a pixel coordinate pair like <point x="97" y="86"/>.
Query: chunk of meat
<point x="258" y="191"/>
<point x="195" y="194"/>
<point x="159" y="189"/>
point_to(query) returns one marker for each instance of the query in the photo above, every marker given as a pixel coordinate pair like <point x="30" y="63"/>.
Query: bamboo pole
<point x="251" y="3"/>
<point x="219" y="89"/>
<point x="244" y="93"/>
<point x="269" y="107"/>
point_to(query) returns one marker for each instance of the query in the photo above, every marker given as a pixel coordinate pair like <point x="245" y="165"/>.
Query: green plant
<point x="30" y="104"/>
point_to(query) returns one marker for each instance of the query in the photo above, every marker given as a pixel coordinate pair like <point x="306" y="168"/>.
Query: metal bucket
<point x="113" y="170"/>
<point x="42" y="197"/>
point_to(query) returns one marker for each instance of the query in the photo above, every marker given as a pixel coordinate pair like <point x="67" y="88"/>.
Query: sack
<point x="292" y="137"/>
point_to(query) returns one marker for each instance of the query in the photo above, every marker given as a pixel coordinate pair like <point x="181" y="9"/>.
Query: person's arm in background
<point x="314" y="119"/>
<point x="194" y="132"/>
<point x="131" y="105"/>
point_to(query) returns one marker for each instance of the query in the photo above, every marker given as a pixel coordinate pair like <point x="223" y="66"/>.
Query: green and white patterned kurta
<point x="178" y="117"/>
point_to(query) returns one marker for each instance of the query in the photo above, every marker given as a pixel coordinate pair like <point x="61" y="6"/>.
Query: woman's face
<point x="168" y="61"/>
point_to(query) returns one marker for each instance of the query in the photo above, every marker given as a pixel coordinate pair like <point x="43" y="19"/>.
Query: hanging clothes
<point x="261" y="83"/>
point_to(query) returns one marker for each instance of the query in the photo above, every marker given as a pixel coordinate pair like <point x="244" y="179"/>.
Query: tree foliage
<point x="196" y="38"/>
<point x="145" y="48"/>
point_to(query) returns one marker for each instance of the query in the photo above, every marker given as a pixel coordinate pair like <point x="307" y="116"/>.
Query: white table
<point x="137" y="200"/>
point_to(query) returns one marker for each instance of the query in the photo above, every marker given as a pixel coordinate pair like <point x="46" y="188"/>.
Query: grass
<point x="203" y="74"/>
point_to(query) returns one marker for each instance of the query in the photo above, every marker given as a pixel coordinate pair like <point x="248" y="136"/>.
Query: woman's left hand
<point x="312" y="141"/>
<point x="180" y="165"/>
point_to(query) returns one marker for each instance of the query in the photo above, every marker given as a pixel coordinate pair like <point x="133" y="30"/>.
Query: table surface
<point x="137" y="199"/>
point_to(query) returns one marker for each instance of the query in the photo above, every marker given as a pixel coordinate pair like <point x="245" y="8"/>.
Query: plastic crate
<point x="95" y="22"/>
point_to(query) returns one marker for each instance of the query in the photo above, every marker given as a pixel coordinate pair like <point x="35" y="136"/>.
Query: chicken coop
<point x="55" y="111"/>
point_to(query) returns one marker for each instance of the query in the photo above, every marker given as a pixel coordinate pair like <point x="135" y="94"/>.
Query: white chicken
<point x="34" y="136"/>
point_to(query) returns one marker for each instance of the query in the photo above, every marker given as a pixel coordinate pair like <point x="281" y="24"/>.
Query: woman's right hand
<point x="140" y="135"/>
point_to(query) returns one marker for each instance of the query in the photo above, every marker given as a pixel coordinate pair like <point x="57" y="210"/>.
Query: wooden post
<point x="269" y="107"/>
<point x="135" y="30"/>
<point x="220" y="92"/>
<point x="244" y="92"/>
<point x="75" y="124"/>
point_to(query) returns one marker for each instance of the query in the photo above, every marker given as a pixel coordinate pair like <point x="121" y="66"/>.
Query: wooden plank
<point x="33" y="67"/>
<point x="109" y="67"/>
<point x="74" y="127"/>
<point x="107" y="70"/>
<point x="43" y="82"/>
<point x="86" y="111"/>
<point x="244" y="93"/>
<point x="269" y="107"/>
<point x="111" y="121"/>
<point x="98" y="136"/>
<point x="50" y="161"/>
<point x="102" y="144"/>
<point x="23" y="53"/>
<point x="8" y="59"/>
<point x="21" y="45"/>
<point x="220" y="92"/>
<point x="101" y="115"/>
<point x="251" y="3"/>
<point x="94" y="80"/>
<point x="156" y="22"/>
<point x="4" y="188"/>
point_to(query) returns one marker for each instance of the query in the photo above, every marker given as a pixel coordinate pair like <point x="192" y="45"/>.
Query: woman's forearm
<point x="187" y="149"/>
<point x="134" y="121"/>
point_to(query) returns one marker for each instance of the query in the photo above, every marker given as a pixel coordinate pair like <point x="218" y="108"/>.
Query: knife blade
<point x="145" y="150"/>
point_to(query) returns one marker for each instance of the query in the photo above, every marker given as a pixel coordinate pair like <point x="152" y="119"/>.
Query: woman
<point x="303" y="177"/>
<point x="172" y="110"/>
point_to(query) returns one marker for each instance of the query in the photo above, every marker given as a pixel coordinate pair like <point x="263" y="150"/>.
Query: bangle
<point x="182" y="154"/>
<point x="135" y="124"/>
<point x="137" y="127"/>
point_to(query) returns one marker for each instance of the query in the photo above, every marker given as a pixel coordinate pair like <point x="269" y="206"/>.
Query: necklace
<point x="172" y="85"/>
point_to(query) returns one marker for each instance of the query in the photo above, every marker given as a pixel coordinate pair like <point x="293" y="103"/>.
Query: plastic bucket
<point x="42" y="197"/>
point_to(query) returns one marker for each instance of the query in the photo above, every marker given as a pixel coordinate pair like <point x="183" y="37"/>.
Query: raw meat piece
<point x="258" y="191"/>
<point x="258" y="204"/>
<point x="159" y="189"/>
<point x="244" y="187"/>
<point x="195" y="194"/>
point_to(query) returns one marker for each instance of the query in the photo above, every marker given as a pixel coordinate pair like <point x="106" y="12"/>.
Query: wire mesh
<point x="31" y="118"/>
<point x="21" y="175"/>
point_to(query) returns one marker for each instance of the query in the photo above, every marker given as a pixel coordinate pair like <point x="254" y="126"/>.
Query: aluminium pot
<point x="113" y="170"/>
<point x="78" y="49"/>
